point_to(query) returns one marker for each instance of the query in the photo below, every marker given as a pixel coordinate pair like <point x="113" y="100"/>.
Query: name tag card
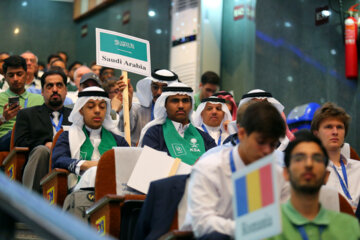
<point x="124" y="52"/>
<point x="255" y="201"/>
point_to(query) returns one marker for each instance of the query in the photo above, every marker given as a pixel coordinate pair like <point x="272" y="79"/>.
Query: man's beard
<point x="307" y="189"/>
<point x="56" y="103"/>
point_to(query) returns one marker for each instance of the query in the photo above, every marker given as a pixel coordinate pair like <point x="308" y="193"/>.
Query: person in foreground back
<point x="210" y="211"/>
<point x="303" y="217"/>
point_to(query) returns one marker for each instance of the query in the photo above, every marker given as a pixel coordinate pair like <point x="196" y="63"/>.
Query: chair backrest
<point x="345" y="206"/>
<point x="56" y="137"/>
<point x="113" y="171"/>
<point x="12" y="139"/>
<point x="105" y="180"/>
<point x="353" y="154"/>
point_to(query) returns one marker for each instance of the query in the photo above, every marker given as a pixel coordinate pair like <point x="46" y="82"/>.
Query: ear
<point x="286" y="173"/>
<point x="316" y="133"/>
<point x="241" y="133"/>
<point x="81" y="112"/>
<point x="200" y="85"/>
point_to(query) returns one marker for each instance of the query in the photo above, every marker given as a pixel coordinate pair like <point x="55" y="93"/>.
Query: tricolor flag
<point x="254" y="190"/>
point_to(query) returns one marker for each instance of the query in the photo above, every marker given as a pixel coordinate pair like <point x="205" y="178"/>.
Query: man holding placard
<point x="303" y="217"/>
<point x="210" y="208"/>
<point x="148" y="91"/>
<point x="171" y="130"/>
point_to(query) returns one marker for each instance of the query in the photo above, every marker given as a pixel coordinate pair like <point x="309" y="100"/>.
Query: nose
<point x="308" y="162"/>
<point x="334" y="130"/>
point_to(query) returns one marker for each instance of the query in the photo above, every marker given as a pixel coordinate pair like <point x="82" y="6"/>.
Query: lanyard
<point x="344" y="186"/>
<point x="303" y="234"/>
<point x="152" y="110"/>
<point x="26" y="102"/>
<point x="232" y="163"/>
<point x="205" y="130"/>
<point x="58" y="127"/>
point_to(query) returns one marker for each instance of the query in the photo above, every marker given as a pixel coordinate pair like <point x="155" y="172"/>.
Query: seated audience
<point x="91" y="134"/>
<point x="171" y="130"/>
<point x="105" y="73"/>
<point x="210" y="116"/>
<point x="95" y="68"/>
<point x="230" y="102"/>
<point x="36" y="126"/>
<point x="32" y="83"/>
<point x="3" y="84"/>
<point x="71" y="87"/>
<point x="303" y="217"/>
<point x="148" y="91"/>
<point x="14" y="69"/>
<point x="331" y="123"/>
<point x="210" y="208"/>
<point x="208" y="86"/>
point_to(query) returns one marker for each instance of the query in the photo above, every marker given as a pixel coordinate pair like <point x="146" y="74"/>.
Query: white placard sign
<point x="124" y="52"/>
<point x="255" y="201"/>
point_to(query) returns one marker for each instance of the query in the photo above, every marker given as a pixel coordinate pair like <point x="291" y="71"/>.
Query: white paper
<point x="153" y="165"/>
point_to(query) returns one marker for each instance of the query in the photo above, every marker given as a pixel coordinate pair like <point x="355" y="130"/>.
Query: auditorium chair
<point x="112" y="213"/>
<point x="14" y="161"/>
<point x="54" y="184"/>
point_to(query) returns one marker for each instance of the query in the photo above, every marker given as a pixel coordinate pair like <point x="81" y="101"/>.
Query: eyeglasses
<point x="318" y="158"/>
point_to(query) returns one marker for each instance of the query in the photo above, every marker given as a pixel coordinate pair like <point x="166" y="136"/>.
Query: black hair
<point x="53" y="71"/>
<point x="63" y="52"/>
<point x="73" y="64"/>
<point x="210" y="77"/>
<point x="303" y="135"/>
<point x="103" y="70"/>
<point x="53" y="56"/>
<point x="15" y="61"/>
<point x="264" y="118"/>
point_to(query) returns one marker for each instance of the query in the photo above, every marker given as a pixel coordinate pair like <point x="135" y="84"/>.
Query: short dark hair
<point x="53" y="71"/>
<point x="51" y="56"/>
<point x="15" y="61"/>
<point x="73" y="64"/>
<point x="57" y="60"/>
<point x="210" y="77"/>
<point x="264" y="118"/>
<point x="330" y="110"/>
<point x="303" y="135"/>
<point x="63" y="52"/>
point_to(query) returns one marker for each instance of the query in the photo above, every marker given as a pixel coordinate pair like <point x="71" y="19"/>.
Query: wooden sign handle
<point x="126" y="108"/>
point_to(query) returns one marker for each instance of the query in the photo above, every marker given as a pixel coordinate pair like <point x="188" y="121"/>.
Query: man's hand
<point x="88" y="164"/>
<point x="48" y="144"/>
<point x="117" y="101"/>
<point x="10" y="113"/>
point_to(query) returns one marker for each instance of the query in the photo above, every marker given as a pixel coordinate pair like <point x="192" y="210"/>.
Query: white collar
<point x="180" y="128"/>
<point x="239" y="164"/>
<point x="212" y="129"/>
<point x="94" y="133"/>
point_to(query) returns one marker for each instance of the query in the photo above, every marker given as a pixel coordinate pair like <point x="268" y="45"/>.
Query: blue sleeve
<point x="208" y="140"/>
<point x="152" y="138"/>
<point x="120" y="141"/>
<point x="61" y="155"/>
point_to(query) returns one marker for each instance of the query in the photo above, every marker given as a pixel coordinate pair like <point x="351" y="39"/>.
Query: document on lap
<point x="153" y="165"/>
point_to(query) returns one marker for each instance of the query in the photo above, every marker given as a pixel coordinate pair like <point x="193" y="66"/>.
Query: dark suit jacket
<point x="61" y="155"/>
<point x="160" y="206"/>
<point x="154" y="138"/>
<point x="33" y="126"/>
